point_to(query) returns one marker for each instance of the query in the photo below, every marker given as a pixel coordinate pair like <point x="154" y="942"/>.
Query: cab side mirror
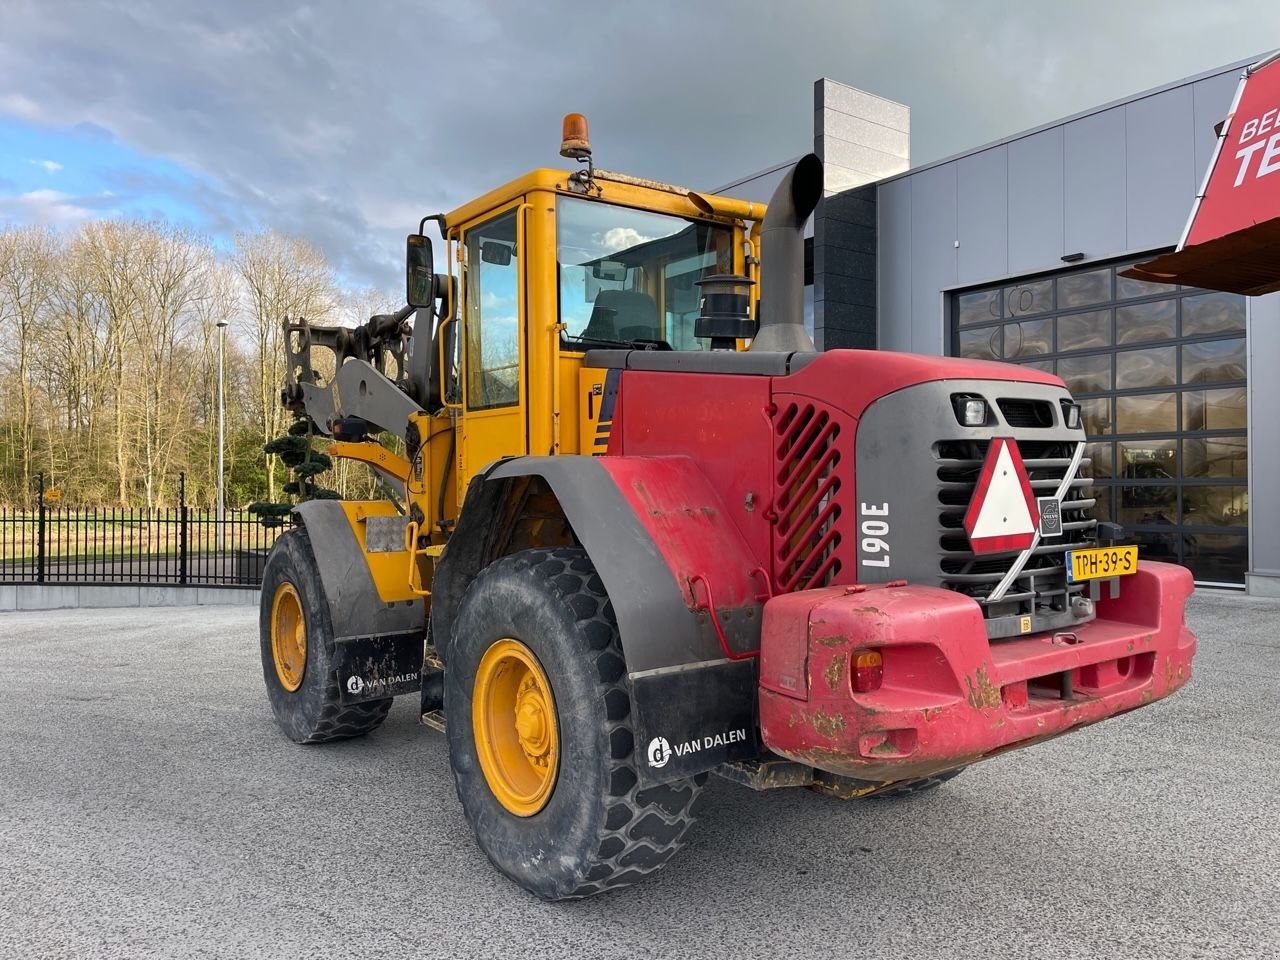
<point x="420" y="277"/>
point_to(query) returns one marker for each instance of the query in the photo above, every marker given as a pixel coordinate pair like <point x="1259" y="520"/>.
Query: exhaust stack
<point x="781" y="311"/>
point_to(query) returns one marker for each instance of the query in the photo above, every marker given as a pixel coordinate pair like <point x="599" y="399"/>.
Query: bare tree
<point x="284" y="277"/>
<point x="354" y="307"/>
<point x="108" y="380"/>
<point x="76" y="351"/>
<point x="168" y="346"/>
<point x="27" y="258"/>
<point x="219" y="307"/>
<point x="110" y="251"/>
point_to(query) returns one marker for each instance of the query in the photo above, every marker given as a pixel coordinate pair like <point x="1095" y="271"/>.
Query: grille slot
<point x="807" y="486"/>
<point x="1026" y="414"/>
<point x="1043" y="582"/>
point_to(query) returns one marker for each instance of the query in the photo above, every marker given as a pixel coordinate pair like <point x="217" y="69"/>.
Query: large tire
<point x="313" y="712"/>
<point x="909" y="787"/>
<point x="597" y="831"/>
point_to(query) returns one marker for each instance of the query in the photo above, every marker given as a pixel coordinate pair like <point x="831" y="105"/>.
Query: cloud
<point x="339" y="123"/>
<point x="92" y="133"/>
<point x="621" y="238"/>
<point x="16" y="105"/>
<point x="49" y="166"/>
<point x="51" y="207"/>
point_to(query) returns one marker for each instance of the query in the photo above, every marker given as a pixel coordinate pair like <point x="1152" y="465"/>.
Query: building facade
<point x="1013" y="251"/>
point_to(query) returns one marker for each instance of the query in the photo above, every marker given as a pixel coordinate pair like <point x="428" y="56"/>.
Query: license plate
<point x="1098" y="563"/>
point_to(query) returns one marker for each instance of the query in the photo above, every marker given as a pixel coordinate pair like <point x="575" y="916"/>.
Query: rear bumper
<point x="949" y="695"/>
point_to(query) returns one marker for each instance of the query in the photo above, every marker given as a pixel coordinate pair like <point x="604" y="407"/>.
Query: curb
<point x="60" y="596"/>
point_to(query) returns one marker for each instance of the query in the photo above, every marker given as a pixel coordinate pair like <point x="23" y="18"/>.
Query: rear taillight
<point x="868" y="671"/>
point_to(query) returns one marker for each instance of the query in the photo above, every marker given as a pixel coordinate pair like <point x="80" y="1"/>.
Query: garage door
<point x="1160" y="373"/>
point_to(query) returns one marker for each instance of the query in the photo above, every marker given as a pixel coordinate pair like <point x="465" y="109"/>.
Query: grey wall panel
<point x="982" y="215"/>
<point x="893" y="233"/>
<point x="855" y="130"/>
<point x="841" y="98"/>
<point x="1264" y="435"/>
<point x="1093" y="152"/>
<point x="1117" y="181"/>
<point x="851" y="165"/>
<point x="1035" y="202"/>
<point x="933" y="253"/>
<point x="1211" y="99"/>
<point x="1161" y="167"/>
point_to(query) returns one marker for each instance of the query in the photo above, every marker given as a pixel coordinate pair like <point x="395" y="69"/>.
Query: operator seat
<point x="623" y="315"/>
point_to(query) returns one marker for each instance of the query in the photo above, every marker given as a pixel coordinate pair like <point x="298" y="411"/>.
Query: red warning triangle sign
<point x="1002" y="515"/>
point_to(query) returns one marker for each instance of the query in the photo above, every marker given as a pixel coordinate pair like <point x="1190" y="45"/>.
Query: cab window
<point x="492" y="314"/>
<point x="629" y="276"/>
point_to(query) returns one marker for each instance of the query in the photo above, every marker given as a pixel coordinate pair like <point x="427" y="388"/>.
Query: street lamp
<point x="222" y="416"/>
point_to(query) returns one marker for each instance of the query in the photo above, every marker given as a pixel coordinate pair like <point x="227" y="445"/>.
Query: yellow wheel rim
<point x="513" y="718"/>
<point x="288" y="637"/>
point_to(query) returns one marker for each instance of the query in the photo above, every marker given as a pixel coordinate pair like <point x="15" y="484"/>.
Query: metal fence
<point x="171" y="546"/>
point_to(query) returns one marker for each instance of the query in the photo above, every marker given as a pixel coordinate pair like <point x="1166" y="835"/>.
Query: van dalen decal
<point x="356" y="684"/>
<point x="660" y="750"/>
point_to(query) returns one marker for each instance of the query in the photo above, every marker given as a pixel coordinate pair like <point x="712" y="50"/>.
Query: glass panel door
<point x="1160" y="374"/>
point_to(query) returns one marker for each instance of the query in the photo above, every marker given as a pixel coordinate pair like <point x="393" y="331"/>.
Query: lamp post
<point x="222" y="415"/>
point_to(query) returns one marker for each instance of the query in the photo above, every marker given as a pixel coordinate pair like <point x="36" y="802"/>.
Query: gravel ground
<point x="149" y="808"/>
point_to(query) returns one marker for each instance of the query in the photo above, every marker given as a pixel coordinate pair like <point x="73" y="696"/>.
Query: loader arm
<point x="360" y="386"/>
<point x="359" y="390"/>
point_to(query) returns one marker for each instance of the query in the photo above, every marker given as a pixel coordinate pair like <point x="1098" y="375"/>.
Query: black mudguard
<point x="692" y="707"/>
<point x="377" y="645"/>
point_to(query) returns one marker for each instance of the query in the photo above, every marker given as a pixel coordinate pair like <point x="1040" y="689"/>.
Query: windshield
<point x="629" y="275"/>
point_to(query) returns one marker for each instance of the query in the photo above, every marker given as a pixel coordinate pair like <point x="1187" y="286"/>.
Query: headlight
<point x="1071" y="415"/>
<point x="970" y="411"/>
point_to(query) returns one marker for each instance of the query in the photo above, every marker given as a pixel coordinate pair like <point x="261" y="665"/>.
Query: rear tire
<point x="594" y="830"/>
<point x="303" y="687"/>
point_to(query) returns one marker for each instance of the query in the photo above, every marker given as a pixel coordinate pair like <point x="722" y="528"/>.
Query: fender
<point x="376" y="638"/>
<point x="685" y="589"/>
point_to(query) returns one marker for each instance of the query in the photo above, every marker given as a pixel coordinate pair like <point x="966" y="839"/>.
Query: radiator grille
<point x="1023" y="414"/>
<point x="1043" y="582"/>
<point x="807" y="497"/>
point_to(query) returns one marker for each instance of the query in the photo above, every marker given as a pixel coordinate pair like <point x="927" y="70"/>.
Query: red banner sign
<point x="1232" y="240"/>
<point x="1243" y="187"/>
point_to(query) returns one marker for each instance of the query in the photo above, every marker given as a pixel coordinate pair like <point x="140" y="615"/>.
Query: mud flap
<point x="691" y="718"/>
<point x="373" y="668"/>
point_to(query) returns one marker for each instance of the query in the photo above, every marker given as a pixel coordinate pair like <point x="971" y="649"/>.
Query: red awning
<point x="1232" y="240"/>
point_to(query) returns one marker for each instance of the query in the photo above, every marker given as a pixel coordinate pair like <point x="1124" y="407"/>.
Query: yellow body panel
<point x="559" y="400"/>
<point x="375" y="455"/>
<point x="593" y="429"/>
<point x="389" y="569"/>
<point x="625" y="191"/>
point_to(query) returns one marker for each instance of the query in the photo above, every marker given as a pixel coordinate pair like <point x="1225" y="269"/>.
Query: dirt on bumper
<point x="949" y="696"/>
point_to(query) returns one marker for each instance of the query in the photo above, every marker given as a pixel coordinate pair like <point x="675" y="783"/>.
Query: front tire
<point x="540" y="735"/>
<point x="296" y="641"/>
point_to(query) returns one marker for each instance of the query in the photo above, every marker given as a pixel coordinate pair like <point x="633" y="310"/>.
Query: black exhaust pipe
<point x="781" y="311"/>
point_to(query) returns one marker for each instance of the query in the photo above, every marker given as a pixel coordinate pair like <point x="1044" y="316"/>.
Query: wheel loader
<point x="638" y="532"/>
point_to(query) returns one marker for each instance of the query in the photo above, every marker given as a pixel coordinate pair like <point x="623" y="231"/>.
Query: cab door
<point x="495" y="392"/>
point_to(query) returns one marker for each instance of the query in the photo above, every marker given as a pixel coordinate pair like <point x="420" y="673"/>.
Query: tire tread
<point x="339" y="722"/>
<point x="336" y="721"/>
<point x="644" y="827"/>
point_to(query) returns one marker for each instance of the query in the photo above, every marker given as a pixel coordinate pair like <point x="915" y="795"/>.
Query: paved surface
<point x="148" y="807"/>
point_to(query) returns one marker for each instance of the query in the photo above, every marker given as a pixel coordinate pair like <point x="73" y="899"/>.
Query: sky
<point x="345" y="122"/>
